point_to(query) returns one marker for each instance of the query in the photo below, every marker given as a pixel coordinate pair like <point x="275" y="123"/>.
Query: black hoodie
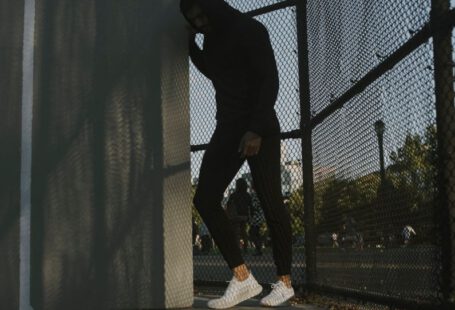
<point x="238" y="58"/>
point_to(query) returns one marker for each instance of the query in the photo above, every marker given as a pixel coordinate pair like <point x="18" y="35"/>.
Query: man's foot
<point x="280" y="294"/>
<point x="236" y="292"/>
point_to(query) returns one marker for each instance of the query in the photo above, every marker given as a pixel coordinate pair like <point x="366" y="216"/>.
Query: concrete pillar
<point x="11" y="51"/>
<point x="110" y="166"/>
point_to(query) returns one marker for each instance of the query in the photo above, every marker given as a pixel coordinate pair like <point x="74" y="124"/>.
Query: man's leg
<point x="266" y="173"/>
<point x="220" y="164"/>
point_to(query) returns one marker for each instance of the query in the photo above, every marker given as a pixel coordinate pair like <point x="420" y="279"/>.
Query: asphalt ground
<point x="410" y="273"/>
<point x="200" y="302"/>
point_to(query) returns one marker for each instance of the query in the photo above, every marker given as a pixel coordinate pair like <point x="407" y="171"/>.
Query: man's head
<point x="195" y="15"/>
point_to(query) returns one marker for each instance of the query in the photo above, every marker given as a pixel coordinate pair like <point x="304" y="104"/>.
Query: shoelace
<point x="275" y="285"/>
<point x="228" y="289"/>
<point x="278" y="292"/>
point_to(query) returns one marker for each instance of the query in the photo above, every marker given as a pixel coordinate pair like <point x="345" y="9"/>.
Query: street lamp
<point x="382" y="214"/>
<point x="379" y="127"/>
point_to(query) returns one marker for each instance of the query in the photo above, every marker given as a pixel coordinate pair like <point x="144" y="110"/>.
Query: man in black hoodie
<point x="238" y="58"/>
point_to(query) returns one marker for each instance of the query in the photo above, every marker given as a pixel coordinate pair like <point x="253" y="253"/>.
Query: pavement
<point x="400" y="272"/>
<point x="200" y="302"/>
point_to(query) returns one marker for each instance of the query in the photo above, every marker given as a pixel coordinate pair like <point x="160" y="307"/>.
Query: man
<point x="238" y="58"/>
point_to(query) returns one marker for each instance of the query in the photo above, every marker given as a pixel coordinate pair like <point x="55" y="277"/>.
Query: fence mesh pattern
<point x="379" y="210"/>
<point x="346" y="40"/>
<point x="382" y="176"/>
<point x="370" y="213"/>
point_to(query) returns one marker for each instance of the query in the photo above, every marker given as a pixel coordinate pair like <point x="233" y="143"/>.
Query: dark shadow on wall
<point x="95" y="172"/>
<point x="11" y="36"/>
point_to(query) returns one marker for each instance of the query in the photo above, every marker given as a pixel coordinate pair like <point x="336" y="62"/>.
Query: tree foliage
<point x="406" y="196"/>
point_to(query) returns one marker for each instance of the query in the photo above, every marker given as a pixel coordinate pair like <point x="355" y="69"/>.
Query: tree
<point x="413" y="173"/>
<point x="295" y="207"/>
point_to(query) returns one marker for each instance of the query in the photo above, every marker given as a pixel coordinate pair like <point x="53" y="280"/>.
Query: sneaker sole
<point x="251" y="293"/>
<point x="280" y="304"/>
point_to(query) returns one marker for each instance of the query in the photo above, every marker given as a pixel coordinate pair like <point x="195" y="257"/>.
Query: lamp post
<point x="382" y="215"/>
<point x="379" y="127"/>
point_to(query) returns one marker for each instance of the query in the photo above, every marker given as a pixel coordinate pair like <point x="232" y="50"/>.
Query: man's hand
<point x="191" y="31"/>
<point x="250" y="144"/>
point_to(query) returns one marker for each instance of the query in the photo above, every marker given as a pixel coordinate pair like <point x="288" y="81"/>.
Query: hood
<point x="220" y="14"/>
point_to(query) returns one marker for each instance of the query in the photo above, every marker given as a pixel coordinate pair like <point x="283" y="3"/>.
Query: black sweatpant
<point x="220" y="164"/>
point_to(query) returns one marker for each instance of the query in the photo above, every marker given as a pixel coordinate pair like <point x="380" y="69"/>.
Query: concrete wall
<point x="11" y="31"/>
<point x="110" y="179"/>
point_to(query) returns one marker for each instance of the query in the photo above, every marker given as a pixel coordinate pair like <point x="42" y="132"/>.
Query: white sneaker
<point x="236" y="292"/>
<point x="280" y="294"/>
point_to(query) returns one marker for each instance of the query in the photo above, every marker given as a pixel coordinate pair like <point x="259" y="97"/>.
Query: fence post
<point x="445" y="120"/>
<point x="307" y="152"/>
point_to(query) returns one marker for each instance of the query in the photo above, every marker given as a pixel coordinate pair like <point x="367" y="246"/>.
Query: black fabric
<point x="220" y="14"/>
<point x="220" y="164"/>
<point x="238" y="58"/>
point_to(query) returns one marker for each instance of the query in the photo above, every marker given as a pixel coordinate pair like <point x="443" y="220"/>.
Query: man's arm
<point x="263" y="75"/>
<point x="196" y="55"/>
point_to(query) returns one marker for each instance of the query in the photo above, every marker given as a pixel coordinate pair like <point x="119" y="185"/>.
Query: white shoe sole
<point x="280" y="304"/>
<point x="242" y="297"/>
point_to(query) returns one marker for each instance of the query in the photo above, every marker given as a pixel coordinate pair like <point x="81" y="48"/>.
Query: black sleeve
<point x="196" y="56"/>
<point x="263" y="75"/>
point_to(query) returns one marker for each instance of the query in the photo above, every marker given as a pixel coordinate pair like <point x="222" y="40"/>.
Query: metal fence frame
<point x="442" y="21"/>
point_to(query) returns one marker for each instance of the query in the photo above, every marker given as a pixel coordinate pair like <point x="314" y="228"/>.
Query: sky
<point x="342" y="48"/>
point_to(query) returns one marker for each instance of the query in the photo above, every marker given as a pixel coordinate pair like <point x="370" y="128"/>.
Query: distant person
<point x="239" y="205"/>
<point x="195" y="229"/>
<point x="407" y="234"/>
<point x="335" y="240"/>
<point x="237" y="56"/>
<point x="256" y="221"/>
<point x="195" y="233"/>
<point x="206" y="239"/>
<point x="359" y="241"/>
<point x="348" y="235"/>
<point x="343" y="235"/>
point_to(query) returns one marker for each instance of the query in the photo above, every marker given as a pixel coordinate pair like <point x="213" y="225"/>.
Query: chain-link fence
<point x="366" y="109"/>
